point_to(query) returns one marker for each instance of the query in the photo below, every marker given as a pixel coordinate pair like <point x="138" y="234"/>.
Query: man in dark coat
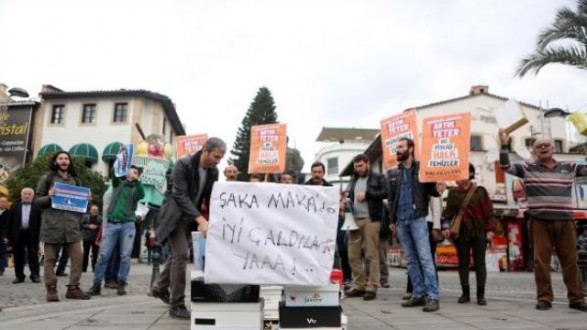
<point x="23" y="235"/>
<point x="191" y="187"/>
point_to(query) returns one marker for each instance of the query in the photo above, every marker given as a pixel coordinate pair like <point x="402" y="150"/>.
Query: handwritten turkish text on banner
<point x="267" y="233"/>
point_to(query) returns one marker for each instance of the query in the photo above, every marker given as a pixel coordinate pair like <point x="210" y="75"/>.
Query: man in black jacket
<point x="366" y="193"/>
<point x="408" y="200"/>
<point x="23" y="235"/>
<point x="192" y="181"/>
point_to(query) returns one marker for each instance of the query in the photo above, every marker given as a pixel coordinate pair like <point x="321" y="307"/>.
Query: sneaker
<point x="74" y="292"/>
<point x="36" y="279"/>
<point x="163" y="295"/>
<point x="407" y="296"/>
<point x="180" y="312"/>
<point x="369" y="295"/>
<point x="111" y="285"/>
<point x="18" y="280"/>
<point x="432" y="305"/>
<point x="94" y="290"/>
<point x="52" y="295"/>
<point x="580" y="306"/>
<point x="543" y="305"/>
<point x="120" y="289"/>
<point x="414" y="302"/>
<point x="385" y="285"/>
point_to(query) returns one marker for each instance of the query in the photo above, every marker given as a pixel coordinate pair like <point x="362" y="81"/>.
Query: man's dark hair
<point x="53" y="164"/>
<point x="140" y="169"/>
<point x="361" y="158"/>
<point x="316" y="164"/>
<point x="410" y="144"/>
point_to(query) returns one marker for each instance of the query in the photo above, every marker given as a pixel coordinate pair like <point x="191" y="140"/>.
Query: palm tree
<point x="564" y="42"/>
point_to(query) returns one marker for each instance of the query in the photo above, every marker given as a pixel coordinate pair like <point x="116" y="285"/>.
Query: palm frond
<point x="574" y="56"/>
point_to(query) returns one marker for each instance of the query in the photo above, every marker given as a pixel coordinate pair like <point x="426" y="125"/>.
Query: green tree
<point x="563" y="42"/>
<point x="29" y="176"/>
<point x="261" y="111"/>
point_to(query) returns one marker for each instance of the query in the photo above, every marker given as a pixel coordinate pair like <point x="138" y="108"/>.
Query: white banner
<point x="267" y="233"/>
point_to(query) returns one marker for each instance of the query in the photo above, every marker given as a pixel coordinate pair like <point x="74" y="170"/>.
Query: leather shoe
<point x="385" y="285"/>
<point x="431" y="306"/>
<point x="352" y="293"/>
<point x="163" y="295"/>
<point x="414" y="302"/>
<point x="180" y="312"/>
<point x="580" y="306"/>
<point x="18" y="280"/>
<point x="369" y="295"/>
<point x="35" y="279"/>
<point x="543" y="305"/>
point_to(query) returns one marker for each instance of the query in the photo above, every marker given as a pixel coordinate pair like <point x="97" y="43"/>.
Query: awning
<point x="50" y="148"/>
<point x="111" y="151"/>
<point x="85" y="150"/>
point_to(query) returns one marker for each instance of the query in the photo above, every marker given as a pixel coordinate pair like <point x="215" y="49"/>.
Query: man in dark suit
<point x="191" y="187"/>
<point x="23" y="235"/>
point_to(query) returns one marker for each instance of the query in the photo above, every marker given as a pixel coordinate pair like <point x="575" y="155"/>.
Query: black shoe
<point x="94" y="290"/>
<point x="61" y="274"/>
<point x="352" y="293"/>
<point x="369" y="295"/>
<point x="120" y="290"/>
<point x="580" y="306"/>
<point x="35" y="279"/>
<point x="18" y="280"/>
<point x="466" y="296"/>
<point x="163" y="295"/>
<point x="385" y="285"/>
<point x="414" y="302"/>
<point x="180" y="312"/>
<point x="543" y="305"/>
<point x="431" y="306"/>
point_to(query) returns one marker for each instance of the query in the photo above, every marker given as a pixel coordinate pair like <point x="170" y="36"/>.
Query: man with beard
<point x="366" y="193"/>
<point x="60" y="227"/>
<point x="549" y="184"/>
<point x="408" y="207"/>
<point x="191" y="187"/>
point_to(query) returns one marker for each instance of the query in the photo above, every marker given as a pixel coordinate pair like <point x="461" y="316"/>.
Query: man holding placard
<point x="60" y="226"/>
<point x="549" y="185"/>
<point x="192" y="180"/>
<point x="408" y="200"/>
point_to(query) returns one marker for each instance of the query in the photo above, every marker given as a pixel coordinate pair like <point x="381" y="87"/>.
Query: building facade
<point x="94" y="124"/>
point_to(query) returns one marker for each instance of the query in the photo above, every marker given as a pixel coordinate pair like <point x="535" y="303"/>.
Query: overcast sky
<point x="327" y="63"/>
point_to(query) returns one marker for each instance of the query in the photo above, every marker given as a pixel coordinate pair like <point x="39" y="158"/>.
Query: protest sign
<point x="123" y="160"/>
<point x="268" y="148"/>
<point x="70" y="198"/>
<point x="394" y="128"/>
<point x="445" y="148"/>
<point x="274" y="234"/>
<point x="188" y="145"/>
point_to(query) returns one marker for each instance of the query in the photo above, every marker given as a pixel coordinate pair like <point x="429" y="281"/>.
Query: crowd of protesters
<point x="380" y="206"/>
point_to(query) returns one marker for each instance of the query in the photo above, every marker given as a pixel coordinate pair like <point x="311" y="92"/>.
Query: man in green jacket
<point x="120" y="228"/>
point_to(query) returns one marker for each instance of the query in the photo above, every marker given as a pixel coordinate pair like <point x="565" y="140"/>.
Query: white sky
<point x="327" y="63"/>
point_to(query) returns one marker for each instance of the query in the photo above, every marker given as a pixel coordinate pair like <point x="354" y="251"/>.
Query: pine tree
<point x="261" y="111"/>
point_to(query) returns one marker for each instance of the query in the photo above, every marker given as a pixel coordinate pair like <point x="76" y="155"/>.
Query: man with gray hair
<point x="191" y="186"/>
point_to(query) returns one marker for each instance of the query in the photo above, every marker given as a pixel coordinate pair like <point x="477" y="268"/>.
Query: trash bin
<point x="582" y="263"/>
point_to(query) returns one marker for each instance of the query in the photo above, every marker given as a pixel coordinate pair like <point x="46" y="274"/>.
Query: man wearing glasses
<point x="548" y="184"/>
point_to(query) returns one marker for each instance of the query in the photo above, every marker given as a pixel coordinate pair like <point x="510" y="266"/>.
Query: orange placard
<point x="445" y="148"/>
<point x="394" y="128"/>
<point x="188" y="145"/>
<point x="268" y="146"/>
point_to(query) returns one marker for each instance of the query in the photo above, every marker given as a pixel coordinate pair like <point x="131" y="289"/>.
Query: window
<point x="120" y="112"/>
<point x="558" y="146"/>
<point x="89" y="114"/>
<point x="332" y="166"/>
<point x="57" y="114"/>
<point x="476" y="143"/>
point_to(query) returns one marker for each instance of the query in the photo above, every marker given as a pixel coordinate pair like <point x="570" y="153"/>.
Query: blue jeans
<point x="124" y="235"/>
<point x="413" y="235"/>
